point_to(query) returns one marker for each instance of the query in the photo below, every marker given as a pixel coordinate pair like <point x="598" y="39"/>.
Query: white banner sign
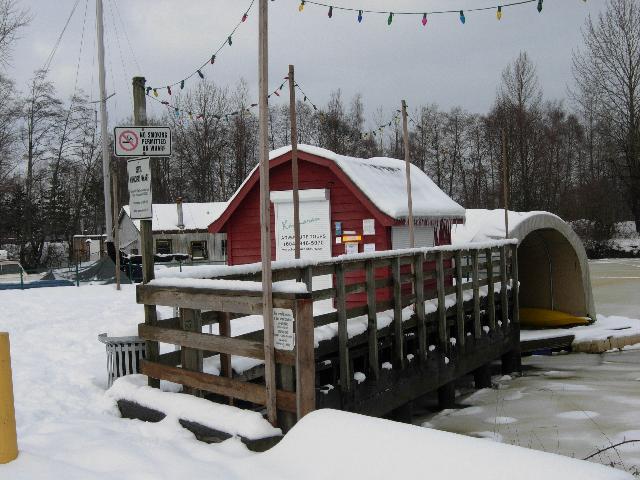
<point x="140" y="202"/>
<point x="142" y="141"/>
<point x="283" y="336"/>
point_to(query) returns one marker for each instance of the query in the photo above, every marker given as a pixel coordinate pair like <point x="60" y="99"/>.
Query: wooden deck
<point x="451" y="313"/>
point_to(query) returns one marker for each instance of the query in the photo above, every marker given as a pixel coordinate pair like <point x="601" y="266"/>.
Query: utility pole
<point x="146" y="232"/>
<point x="265" y="211"/>
<point x="294" y="159"/>
<point x="116" y="232"/>
<point x="505" y="183"/>
<point x="106" y="174"/>
<point x="407" y="164"/>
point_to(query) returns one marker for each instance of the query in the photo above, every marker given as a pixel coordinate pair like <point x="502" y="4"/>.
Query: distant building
<point x="178" y="228"/>
<point x="88" y="248"/>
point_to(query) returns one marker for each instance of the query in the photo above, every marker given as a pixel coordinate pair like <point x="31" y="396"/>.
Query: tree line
<point x="578" y="158"/>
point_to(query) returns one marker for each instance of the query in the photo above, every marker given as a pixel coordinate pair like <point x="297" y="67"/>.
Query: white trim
<point x="310" y="195"/>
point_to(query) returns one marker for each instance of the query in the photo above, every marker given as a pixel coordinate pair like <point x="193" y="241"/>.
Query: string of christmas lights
<point x="210" y="61"/>
<point x="423" y="15"/>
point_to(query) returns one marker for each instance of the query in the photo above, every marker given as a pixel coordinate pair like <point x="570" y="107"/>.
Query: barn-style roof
<point x="196" y="216"/>
<point x="380" y="180"/>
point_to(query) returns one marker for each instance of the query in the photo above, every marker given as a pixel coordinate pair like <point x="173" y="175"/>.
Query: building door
<point x="315" y="229"/>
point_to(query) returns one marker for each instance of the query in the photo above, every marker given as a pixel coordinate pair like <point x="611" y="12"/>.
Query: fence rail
<point x="393" y="307"/>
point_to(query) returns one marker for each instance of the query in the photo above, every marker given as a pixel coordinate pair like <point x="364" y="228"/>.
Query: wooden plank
<point x="372" y="320"/>
<point x="461" y="334"/>
<point x="418" y="267"/>
<point x="200" y="299"/>
<point x="504" y="298"/>
<point x="305" y="358"/>
<point x="515" y="287"/>
<point x="475" y="280"/>
<point x="442" y="309"/>
<point x="227" y="387"/>
<point x="203" y="341"/>
<point x="491" y="300"/>
<point x="307" y="278"/>
<point x="398" y="341"/>
<point x="343" y="335"/>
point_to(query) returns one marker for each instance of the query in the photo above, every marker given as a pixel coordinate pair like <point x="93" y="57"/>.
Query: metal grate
<point x="124" y="355"/>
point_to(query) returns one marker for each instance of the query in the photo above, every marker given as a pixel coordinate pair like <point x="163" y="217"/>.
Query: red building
<point x="347" y="205"/>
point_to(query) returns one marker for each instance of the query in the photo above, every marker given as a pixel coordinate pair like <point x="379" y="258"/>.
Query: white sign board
<point x="140" y="202"/>
<point x="142" y="141"/>
<point x="283" y="336"/>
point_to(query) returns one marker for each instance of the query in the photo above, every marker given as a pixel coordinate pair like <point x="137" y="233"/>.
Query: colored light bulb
<point x="539" y="6"/>
<point x="181" y="84"/>
<point x="244" y="17"/>
<point x="168" y="89"/>
<point x="213" y="59"/>
<point x="148" y="90"/>
<point x="390" y="19"/>
<point x="359" y="16"/>
<point x="301" y="6"/>
<point x="330" y="14"/>
<point x="155" y="92"/>
<point x="462" y="18"/>
<point x="424" y="19"/>
<point x="200" y="74"/>
<point x="229" y="40"/>
<point x="499" y="13"/>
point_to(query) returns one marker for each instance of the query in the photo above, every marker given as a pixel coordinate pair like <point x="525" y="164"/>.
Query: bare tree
<point x="12" y="19"/>
<point x="607" y="72"/>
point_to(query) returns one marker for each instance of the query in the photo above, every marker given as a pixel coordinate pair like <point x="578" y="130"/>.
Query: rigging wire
<point x="47" y="63"/>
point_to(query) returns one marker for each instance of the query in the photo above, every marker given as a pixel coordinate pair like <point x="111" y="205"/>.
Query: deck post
<point x="372" y="320"/>
<point x="442" y="307"/>
<point x="515" y="285"/>
<point x="462" y="336"/>
<point x="491" y="300"/>
<point x="343" y="334"/>
<point x="482" y="376"/>
<point x="418" y="268"/>
<point x="447" y="395"/>
<point x="475" y="278"/>
<point x="224" y="329"/>
<point x="504" y="294"/>
<point x="305" y="358"/>
<point x="191" y="359"/>
<point x="398" y="340"/>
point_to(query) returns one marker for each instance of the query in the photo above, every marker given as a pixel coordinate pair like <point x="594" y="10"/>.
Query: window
<point x="163" y="247"/>
<point x="223" y="248"/>
<point x="199" y="249"/>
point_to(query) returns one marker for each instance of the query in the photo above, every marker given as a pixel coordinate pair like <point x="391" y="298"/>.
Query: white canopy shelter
<point x="553" y="265"/>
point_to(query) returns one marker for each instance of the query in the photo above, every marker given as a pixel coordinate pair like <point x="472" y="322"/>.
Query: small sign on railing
<point x="283" y="336"/>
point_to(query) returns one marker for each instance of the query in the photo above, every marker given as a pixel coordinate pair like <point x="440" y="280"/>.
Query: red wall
<point x="243" y="227"/>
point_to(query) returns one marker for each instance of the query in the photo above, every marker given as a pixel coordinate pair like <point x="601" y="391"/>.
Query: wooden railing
<point x="363" y="285"/>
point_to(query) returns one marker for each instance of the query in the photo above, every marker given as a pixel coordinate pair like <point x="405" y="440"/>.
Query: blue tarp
<point x="36" y="284"/>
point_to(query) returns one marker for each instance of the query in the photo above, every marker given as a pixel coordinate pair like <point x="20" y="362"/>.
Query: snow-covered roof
<point x="383" y="182"/>
<point x="485" y="225"/>
<point x="196" y="216"/>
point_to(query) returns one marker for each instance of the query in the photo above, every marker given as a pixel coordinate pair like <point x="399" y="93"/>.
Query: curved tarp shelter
<point x="552" y="263"/>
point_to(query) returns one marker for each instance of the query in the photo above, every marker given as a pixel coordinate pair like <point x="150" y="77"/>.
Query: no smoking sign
<point x="142" y="141"/>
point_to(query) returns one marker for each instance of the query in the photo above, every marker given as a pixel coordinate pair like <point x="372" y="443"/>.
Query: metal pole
<point x="294" y="159"/>
<point x="407" y="163"/>
<point x="103" y="124"/>
<point x="505" y="183"/>
<point x="265" y="212"/>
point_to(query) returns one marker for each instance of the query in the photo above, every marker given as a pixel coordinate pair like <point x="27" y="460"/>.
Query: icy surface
<point x="569" y="404"/>
<point x="616" y="283"/>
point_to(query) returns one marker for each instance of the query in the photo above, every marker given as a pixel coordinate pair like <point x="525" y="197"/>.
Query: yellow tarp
<point x="542" y="318"/>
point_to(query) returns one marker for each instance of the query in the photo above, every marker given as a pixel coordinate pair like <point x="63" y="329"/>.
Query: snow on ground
<point x="570" y="404"/>
<point x="69" y="428"/>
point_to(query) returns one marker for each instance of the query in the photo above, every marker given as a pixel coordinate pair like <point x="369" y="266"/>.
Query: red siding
<point x="243" y="226"/>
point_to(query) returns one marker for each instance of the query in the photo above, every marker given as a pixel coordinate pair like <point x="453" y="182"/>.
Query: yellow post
<point x="8" y="438"/>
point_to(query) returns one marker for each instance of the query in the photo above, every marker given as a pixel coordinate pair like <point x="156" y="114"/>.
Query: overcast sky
<point x="445" y="62"/>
